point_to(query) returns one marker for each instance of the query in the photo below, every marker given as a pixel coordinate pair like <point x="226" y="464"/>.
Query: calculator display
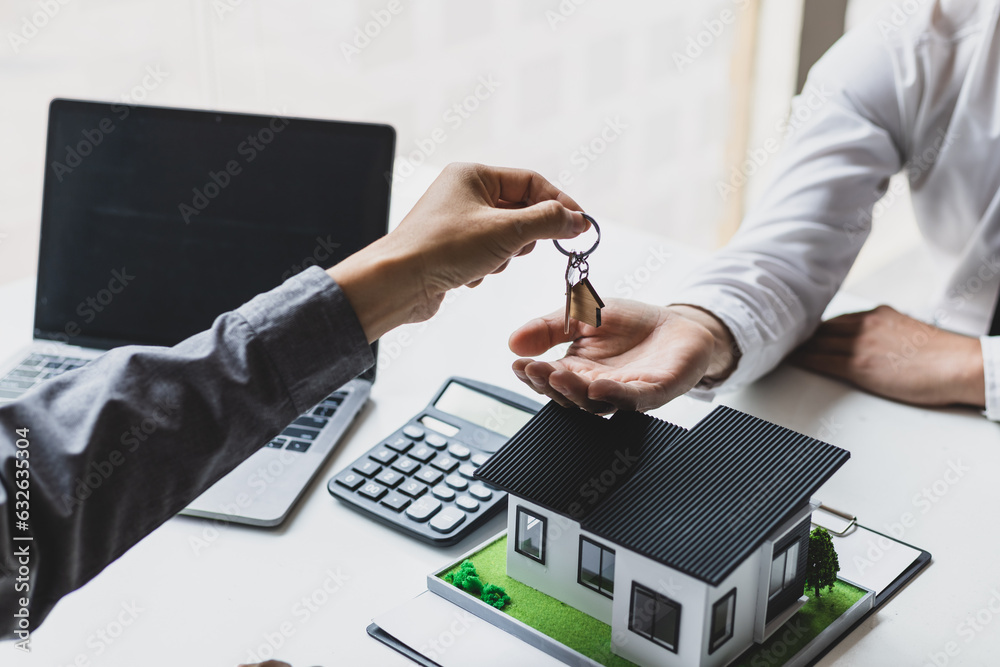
<point x="482" y="410"/>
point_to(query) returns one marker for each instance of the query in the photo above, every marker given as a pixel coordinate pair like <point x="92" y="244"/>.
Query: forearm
<point x="122" y="445"/>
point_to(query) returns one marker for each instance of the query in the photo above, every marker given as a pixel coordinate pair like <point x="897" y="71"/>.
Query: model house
<point x="691" y="545"/>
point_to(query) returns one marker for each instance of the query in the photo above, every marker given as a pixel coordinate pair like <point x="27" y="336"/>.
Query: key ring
<point x="582" y="255"/>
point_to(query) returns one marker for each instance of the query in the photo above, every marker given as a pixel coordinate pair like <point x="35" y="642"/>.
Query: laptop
<point x="156" y="220"/>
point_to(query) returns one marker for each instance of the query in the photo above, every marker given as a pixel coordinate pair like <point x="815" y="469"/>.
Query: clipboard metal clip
<point x="852" y="521"/>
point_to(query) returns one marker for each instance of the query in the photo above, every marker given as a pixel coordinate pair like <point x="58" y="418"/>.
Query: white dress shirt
<point x="916" y="90"/>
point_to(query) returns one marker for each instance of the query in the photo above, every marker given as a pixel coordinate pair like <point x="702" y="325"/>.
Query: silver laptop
<point x="145" y="207"/>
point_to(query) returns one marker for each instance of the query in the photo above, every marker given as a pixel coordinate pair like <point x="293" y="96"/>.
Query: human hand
<point x="887" y="353"/>
<point x="471" y="222"/>
<point x="641" y="356"/>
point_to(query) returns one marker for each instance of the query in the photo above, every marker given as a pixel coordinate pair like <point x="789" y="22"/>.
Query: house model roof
<point x="569" y="461"/>
<point x="699" y="501"/>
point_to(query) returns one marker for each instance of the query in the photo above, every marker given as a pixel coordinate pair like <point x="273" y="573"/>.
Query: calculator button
<point x="324" y="411"/>
<point x="423" y="509"/>
<point x="399" y="444"/>
<point x="480" y="491"/>
<point x="300" y="433"/>
<point x="429" y="475"/>
<point x="413" y="432"/>
<point x="448" y="520"/>
<point x="459" y="451"/>
<point x="479" y="459"/>
<point x="423" y="453"/>
<point x="413" y="488"/>
<point x="405" y="465"/>
<point x="390" y="478"/>
<point x="467" y="470"/>
<point x="277" y="443"/>
<point x="372" y="490"/>
<point x="349" y="479"/>
<point x="445" y="463"/>
<point x="467" y="503"/>
<point x="368" y="468"/>
<point x="456" y="482"/>
<point x="298" y="445"/>
<point x="436" y="441"/>
<point x="396" y="501"/>
<point x="384" y="456"/>
<point x="310" y="421"/>
<point x="443" y="492"/>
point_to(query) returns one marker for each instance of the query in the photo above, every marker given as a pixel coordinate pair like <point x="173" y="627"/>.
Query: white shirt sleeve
<point x="843" y="141"/>
<point x="991" y="369"/>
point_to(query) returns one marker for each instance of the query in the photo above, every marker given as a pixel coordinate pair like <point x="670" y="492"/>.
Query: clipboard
<point x="868" y="558"/>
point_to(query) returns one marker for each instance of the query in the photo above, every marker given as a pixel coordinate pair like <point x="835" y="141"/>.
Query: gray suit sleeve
<point x="116" y="448"/>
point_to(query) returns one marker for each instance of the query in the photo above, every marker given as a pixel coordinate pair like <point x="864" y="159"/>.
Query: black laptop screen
<point x="156" y="220"/>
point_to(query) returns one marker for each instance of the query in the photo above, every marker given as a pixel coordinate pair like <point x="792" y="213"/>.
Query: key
<point x="582" y="301"/>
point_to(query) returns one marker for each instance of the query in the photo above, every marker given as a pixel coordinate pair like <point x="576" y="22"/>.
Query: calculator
<point x="419" y="479"/>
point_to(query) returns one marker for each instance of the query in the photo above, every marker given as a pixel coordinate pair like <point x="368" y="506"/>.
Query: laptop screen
<point x="155" y="220"/>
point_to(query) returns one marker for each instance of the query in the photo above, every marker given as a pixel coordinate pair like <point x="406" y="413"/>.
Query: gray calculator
<point x="419" y="479"/>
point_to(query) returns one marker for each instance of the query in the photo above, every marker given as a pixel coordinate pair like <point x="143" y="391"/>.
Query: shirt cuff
<point x="739" y="320"/>
<point x="991" y="370"/>
<point x="311" y="334"/>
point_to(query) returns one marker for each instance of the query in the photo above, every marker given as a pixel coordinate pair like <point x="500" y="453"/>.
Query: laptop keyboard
<point x="34" y="370"/>
<point x="297" y="437"/>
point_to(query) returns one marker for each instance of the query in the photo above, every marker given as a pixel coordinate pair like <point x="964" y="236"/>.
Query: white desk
<point x="211" y="603"/>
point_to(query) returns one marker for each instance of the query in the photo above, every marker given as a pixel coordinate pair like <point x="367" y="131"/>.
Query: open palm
<point x="641" y="357"/>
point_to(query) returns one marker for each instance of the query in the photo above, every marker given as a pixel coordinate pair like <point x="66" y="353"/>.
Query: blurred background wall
<point x="638" y="108"/>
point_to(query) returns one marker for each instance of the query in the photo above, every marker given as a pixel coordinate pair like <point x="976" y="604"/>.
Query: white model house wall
<point x="558" y="576"/>
<point x="696" y="599"/>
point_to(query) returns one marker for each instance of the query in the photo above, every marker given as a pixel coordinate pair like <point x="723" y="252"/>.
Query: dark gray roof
<point x="699" y="501"/>
<point x="705" y="503"/>
<point x="569" y="461"/>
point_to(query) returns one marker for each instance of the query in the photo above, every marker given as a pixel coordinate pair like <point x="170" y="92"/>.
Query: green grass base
<point x="588" y="636"/>
<point x="571" y="627"/>
<point x="814" y="617"/>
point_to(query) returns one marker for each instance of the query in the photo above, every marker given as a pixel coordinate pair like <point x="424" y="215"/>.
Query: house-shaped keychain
<point x="585" y="304"/>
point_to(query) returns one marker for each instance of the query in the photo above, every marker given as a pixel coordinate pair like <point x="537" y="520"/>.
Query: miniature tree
<point x="466" y="578"/>
<point x="495" y="596"/>
<point x="822" y="565"/>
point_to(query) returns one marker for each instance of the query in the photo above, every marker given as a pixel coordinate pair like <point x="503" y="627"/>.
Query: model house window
<point x="655" y="617"/>
<point x="723" y="614"/>
<point x="597" y="567"/>
<point x="784" y="567"/>
<point x="530" y="538"/>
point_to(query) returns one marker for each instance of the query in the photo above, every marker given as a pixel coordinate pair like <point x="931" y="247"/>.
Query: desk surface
<point x="199" y="592"/>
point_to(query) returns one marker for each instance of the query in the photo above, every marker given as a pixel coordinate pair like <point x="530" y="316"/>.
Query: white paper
<point x="872" y="560"/>
<point x="452" y="637"/>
